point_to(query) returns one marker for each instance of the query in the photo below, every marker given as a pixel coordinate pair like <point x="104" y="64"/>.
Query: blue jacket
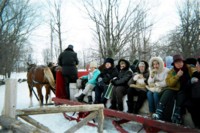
<point x="92" y="76"/>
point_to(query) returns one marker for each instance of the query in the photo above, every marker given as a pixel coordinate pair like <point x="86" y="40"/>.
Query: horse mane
<point x="53" y="67"/>
<point x="48" y="74"/>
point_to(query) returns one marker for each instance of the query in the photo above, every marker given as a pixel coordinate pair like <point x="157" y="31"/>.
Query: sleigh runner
<point x="148" y="124"/>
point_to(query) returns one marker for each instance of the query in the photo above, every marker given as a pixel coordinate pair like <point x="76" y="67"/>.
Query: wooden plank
<point x="91" y="116"/>
<point x="59" y="109"/>
<point x="17" y="126"/>
<point x="36" y="123"/>
<point x="100" y="120"/>
<point x="146" y="121"/>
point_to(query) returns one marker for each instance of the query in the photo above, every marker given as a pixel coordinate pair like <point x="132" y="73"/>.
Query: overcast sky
<point x="76" y="26"/>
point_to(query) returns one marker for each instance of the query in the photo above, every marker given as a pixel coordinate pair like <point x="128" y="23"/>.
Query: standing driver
<point x="68" y="61"/>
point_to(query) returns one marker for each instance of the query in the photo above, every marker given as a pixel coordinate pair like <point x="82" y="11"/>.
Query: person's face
<point x="155" y="65"/>
<point x="178" y="64"/>
<point x="198" y="67"/>
<point x="107" y="65"/>
<point x="122" y="66"/>
<point x="92" y="69"/>
<point x="141" y="68"/>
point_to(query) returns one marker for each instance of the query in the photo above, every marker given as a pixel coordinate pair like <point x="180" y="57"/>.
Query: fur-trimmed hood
<point x="161" y="63"/>
<point x="127" y="64"/>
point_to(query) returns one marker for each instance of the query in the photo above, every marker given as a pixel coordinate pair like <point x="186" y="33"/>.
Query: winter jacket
<point x="135" y="75"/>
<point x="92" y="76"/>
<point x="172" y="79"/>
<point x="159" y="79"/>
<point x="124" y="75"/>
<point x="108" y="74"/>
<point x="135" y="78"/>
<point x="194" y="90"/>
<point x="68" y="61"/>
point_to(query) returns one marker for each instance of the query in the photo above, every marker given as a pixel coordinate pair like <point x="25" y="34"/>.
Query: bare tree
<point x="57" y="52"/>
<point x="16" y="22"/>
<point x="115" y="26"/>
<point x="140" y="42"/>
<point x="2" y="6"/>
<point x="55" y="17"/>
<point x="47" y="55"/>
<point x="185" y="38"/>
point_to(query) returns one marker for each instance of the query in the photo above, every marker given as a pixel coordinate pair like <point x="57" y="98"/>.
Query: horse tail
<point x="49" y="76"/>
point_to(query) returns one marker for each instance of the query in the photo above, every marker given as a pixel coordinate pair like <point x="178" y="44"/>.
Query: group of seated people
<point x="168" y="90"/>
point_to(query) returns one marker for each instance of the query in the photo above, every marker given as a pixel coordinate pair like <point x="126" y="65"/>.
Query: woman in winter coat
<point x="156" y="82"/>
<point x="177" y="84"/>
<point x="137" y="87"/>
<point x="120" y="84"/>
<point x="108" y="72"/>
<point x="194" y="96"/>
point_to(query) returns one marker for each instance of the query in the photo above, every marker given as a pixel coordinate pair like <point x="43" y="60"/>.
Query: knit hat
<point x="177" y="57"/>
<point x="109" y="60"/>
<point x="93" y="64"/>
<point x="70" y="46"/>
<point x="141" y="64"/>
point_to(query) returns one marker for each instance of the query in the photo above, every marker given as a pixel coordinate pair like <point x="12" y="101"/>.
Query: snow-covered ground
<point x="56" y="122"/>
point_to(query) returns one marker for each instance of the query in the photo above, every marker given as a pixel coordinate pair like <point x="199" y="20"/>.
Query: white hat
<point x="93" y="64"/>
<point x="141" y="64"/>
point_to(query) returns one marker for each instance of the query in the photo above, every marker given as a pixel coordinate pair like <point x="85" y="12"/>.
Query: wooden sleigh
<point x="149" y="124"/>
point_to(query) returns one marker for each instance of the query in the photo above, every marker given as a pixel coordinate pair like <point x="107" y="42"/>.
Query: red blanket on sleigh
<point x="60" y="87"/>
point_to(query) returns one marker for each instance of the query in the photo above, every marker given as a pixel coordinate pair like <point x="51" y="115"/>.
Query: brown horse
<point x="39" y="76"/>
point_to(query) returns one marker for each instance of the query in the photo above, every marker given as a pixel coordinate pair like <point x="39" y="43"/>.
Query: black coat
<point x="68" y="61"/>
<point x="194" y="89"/>
<point x="124" y="75"/>
<point x="108" y="74"/>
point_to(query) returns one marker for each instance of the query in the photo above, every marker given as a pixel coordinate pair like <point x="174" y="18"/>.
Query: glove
<point x="194" y="80"/>
<point x="100" y="82"/>
<point x="99" y="79"/>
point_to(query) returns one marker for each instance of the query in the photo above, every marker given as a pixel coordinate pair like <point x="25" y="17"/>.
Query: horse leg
<point x="39" y="91"/>
<point x="48" y="94"/>
<point x="30" y="95"/>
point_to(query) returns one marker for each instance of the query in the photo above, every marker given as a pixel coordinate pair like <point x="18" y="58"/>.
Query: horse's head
<point x="54" y="68"/>
<point x="51" y="64"/>
<point x="30" y="66"/>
